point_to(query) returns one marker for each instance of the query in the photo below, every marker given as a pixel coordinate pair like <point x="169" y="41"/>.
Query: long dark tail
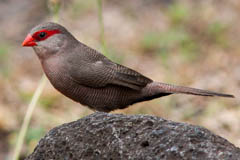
<point x="168" y="88"/>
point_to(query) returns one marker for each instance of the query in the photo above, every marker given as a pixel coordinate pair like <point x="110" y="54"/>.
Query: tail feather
<point x="168" y="88"/>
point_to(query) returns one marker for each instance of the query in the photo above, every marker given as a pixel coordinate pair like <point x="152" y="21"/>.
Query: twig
<point x="101" y="25"/>
<point x="28" y="117"/>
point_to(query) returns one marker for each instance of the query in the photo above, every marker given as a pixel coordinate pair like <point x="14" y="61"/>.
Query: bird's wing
<point x="100" y="71"/>
<point x="129" y="78"/>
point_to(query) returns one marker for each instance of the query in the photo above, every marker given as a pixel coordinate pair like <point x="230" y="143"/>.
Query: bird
<point x="88" y="77"/>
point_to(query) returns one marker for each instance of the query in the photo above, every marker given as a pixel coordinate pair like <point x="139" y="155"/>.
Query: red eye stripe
<point x="48" y="33"/>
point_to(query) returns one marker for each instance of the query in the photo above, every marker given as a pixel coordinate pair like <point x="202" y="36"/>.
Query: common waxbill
<point x="88" y="77"/>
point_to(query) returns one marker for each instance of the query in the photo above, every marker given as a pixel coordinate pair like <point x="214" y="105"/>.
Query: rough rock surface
<point x="139" y="137"/>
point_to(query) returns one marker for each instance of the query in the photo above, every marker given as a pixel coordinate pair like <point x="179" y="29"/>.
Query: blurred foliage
<point x="4" y="49"/>
<point x="4" y="56"/>
<point x="80" y="7"/>
<point x="178" y="13"/>
<point x="217" y="32"/>
<point x="165" y="43"/>
<point x="185" y="42"/>
<point x="114" y="55"/>
<point x="34" y="134"/>
<point x="45" y="101"/>
<point x="54" y="7"/>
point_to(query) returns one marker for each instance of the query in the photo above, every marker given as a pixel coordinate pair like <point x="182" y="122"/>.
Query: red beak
<point x="29" y="41"/>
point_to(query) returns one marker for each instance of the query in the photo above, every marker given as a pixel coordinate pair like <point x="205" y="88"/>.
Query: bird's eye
<point x="42" y="34"/>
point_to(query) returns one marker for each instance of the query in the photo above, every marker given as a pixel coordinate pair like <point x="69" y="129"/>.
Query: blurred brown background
<point x="187" y="42"/>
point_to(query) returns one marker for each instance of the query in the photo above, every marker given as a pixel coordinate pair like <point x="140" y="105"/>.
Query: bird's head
<point x="48" y="39"/>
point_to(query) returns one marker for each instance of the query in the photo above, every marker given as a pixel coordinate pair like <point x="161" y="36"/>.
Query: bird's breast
<point x="56" y="72"/>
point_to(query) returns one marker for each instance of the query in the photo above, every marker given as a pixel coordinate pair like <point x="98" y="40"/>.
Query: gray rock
<point x="139" y="137"/>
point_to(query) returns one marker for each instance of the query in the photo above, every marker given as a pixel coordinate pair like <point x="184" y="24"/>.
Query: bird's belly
<point x="101" y="99"/>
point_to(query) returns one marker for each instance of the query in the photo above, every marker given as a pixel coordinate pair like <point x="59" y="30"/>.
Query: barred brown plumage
<point x="88" y="77"/>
